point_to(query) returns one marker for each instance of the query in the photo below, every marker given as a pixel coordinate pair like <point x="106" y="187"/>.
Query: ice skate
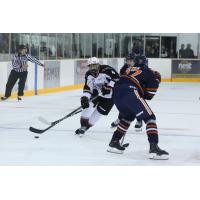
<point x="4" y="98"/>
<point x="155" y="153"/>
<point x="19" y="98"/>
<point x="115" y="123"/>
<point x="138" y="126"/>
<point x="80" y="132"/>
<point x="115" y="147"/>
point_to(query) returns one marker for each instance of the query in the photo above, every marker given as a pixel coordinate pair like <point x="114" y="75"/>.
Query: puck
<point x="36" y="137"/>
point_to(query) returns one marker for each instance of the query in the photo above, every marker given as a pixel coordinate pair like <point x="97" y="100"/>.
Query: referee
<point x="19" y="71"/>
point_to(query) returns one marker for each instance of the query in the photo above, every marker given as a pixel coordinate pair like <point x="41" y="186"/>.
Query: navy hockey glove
<point x="84" y="102"/>
<point x="106" y="89"/>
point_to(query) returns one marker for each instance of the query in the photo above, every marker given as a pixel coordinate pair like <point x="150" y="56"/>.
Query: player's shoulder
<point x="87" y="74"/>
<point x="148" y="73"/>
<point x="146" y="69"/>
<point x="16" y="55"/>
<point x="125" y="66"/>
<point x="123" y="69"/>
<point x="105" y="67"/>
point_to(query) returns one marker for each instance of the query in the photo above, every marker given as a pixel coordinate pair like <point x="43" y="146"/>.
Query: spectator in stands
<point x="164" y="53"/>
<point x="67" y="52"/>
<point x="189" y="53"/>
<point x="4" y="44"/>
<point x="100" y="52"/>
<point x="27" y="47"/>
<point x="152" y="53"/>
<point x="137" y="48"/>
<point x="34" y="50"/>
<point x="52" y="51"/>
<point x="147" y="50"/>
<point x="156" y="49"/>
<point x="59" y="51"/>
<point x="182" y="51"/>
<point x="172" y="53"/>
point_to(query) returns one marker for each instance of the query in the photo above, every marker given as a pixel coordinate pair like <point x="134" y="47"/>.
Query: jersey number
<point x="135" y="71"/>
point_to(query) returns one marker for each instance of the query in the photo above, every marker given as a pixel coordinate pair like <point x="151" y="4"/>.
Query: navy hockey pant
<point x="130" y="104"/>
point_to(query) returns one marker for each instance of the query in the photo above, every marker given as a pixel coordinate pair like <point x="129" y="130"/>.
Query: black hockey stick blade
<point x="35" y="130"/>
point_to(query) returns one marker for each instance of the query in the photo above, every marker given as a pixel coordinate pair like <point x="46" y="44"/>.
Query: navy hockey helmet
<point x="130" y="56"/>
<point x="141" y="60"/>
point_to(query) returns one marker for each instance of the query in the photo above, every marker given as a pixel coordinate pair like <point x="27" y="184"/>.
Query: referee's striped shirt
<point x="19" y="60"/>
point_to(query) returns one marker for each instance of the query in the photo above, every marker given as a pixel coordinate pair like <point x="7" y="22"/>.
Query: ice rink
<point x="176" y="105"/>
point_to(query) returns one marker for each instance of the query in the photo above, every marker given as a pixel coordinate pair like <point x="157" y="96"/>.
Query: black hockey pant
<point x="12" y="79"/>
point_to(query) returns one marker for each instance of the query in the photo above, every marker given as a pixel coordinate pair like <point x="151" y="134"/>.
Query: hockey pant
<point x="131" y="105"/>
<point x="91" y="115"/>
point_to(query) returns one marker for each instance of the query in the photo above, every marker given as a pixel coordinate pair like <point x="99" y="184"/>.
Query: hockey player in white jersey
<point x="97" y="93"/>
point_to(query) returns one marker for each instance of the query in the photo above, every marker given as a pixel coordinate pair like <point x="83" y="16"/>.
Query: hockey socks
<point x="152" y="131"/>
<point x="114" y="145"/>
<point x="155" y="152"/>
<point x="84" y="126"/>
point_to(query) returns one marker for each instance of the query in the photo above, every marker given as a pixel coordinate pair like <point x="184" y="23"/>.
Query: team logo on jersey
<point x="185" y="66"/>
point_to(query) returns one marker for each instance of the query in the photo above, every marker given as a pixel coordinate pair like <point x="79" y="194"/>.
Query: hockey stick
<point x="52" y="124"/>
<point x="44" y="121"/>
<point x="122" y="141"/>
<point x="40" y="131"/>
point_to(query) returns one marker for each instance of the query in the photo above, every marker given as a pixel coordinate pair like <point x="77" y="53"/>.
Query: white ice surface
<point x="176" y="105"/>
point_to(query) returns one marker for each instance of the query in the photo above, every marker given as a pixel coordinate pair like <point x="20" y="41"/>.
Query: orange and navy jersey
<point x="143" y="78"/>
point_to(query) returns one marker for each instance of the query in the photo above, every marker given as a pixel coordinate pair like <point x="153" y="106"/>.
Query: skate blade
<point x="138" y="129"/>
<point x="114" y="150"/>
<point x="154" y="156"/>
<point x="79" y="135"/>
<point x="113" y="126"/>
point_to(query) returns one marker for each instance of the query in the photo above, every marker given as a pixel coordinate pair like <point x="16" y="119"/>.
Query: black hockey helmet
<point x="22" y="46"/>
<point x="131" y="56"/>
<point x="141" y="60"/>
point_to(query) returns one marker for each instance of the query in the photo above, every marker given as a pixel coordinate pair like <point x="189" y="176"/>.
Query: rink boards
<point x="63" y="75"/>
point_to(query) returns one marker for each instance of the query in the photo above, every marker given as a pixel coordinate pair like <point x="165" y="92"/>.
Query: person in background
<point x="172" y="53"/>
<point x="164" y="53"/>
<point x="138" y="48"/>
<point x="19" y="71"/>
<point x="182" y="51"/>
<point x="152" y="53"/>
<point x="189" y="53"/>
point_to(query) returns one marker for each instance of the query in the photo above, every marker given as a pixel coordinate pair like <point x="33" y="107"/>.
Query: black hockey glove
<point x="84" y="102"/>
<point x="106" y="89"/>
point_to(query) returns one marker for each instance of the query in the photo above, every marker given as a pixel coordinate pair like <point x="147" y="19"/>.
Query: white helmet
<point x="93" y="61"/>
